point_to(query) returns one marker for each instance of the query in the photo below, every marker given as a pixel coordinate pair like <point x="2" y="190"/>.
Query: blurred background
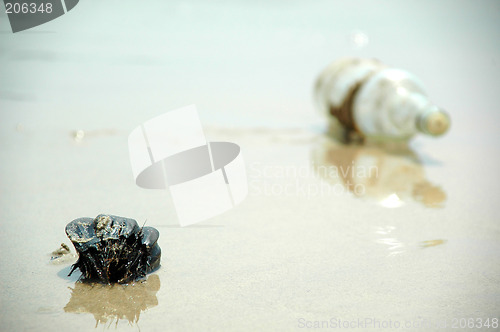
<point x="116" y="63"/>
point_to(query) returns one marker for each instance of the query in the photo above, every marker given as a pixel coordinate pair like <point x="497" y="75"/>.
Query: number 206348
<point x="478" y="323"/>
<point x="28" y="8"/>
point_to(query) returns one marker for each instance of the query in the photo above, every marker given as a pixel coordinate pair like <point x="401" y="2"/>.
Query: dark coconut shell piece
<point x="113" y="249"/>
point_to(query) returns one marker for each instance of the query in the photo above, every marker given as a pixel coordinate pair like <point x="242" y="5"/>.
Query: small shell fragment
<point x="59" y="252"/>
<point x="62" y="255"/>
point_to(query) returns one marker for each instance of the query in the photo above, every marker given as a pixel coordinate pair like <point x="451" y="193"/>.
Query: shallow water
<point x="420" y="244"/>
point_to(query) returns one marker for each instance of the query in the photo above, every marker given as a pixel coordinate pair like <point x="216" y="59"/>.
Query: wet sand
<point x="420" y="244"/>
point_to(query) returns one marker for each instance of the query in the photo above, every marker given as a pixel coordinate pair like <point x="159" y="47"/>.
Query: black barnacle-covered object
<point x="113" y="249"/>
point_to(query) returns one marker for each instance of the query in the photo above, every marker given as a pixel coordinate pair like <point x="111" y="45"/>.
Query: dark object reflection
<point x="110" y="303"/>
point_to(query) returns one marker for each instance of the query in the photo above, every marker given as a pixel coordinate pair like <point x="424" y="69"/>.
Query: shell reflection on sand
<point x="391" y="175"/>
<point x="114" y="302"/>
